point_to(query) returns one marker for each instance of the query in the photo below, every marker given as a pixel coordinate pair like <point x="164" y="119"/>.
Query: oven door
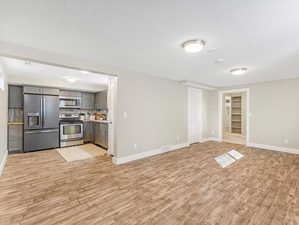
<point x="71" y="131"/>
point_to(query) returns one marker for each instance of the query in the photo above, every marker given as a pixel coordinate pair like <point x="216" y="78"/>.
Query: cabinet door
<point x="50" y="91"/>
<point x="101" y="100"/>
<point x="15" y="96"/>
<point x="15" y="138"/>
<point x="91" y="100"/>
<point x="105" y="135"/>
<point x="33" y="90"/>
<point x="88" y="132"/>
<point x="70" y="93"/>
<point x="84" y="101"/>
<point x="87" y="101"/>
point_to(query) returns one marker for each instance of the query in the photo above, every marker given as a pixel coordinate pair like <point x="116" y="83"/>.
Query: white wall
<point x="156" y="114"/>
<point x="17" y="79"/>
<point x="274" y="112"/>
<point x="157" y="108"/>
<point x="3" y="117"/>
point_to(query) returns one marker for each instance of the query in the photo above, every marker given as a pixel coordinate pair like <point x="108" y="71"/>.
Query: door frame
<point x="114" y="101"/>
<point x="189" y="114"/>
<point x="220" y="114"/>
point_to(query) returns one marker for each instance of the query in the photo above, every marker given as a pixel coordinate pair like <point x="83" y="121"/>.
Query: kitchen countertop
<point x="98" y="121"/>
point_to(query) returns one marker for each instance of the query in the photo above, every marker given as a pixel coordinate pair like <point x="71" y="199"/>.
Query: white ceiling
<point x="20" y="72"/>
<point x="146" y="36"/>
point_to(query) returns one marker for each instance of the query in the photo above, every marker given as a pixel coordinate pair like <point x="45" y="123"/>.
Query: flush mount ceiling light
<point x="71" y="79"/>
<point x="193" y="46"/>
<point x="27" y="62"/>
<point x="239" y="71"/>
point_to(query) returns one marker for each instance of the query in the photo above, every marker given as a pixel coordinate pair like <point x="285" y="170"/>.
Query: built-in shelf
<point x="236" y="123"/>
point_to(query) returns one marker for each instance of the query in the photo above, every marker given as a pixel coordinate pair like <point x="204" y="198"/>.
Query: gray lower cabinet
<point x="101" y="100"/>
<point x="15" y="96"/>
<point x="101" y="134"/>
<point x="15" y="138"/>
<point x="88" y="132"/>
<point x="87" y="100"/>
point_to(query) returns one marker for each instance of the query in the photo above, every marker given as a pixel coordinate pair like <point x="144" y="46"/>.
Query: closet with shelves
<point x="236" y="114"/>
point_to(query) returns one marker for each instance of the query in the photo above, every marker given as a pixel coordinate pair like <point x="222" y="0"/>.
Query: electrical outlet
<point x="125" y="115"/>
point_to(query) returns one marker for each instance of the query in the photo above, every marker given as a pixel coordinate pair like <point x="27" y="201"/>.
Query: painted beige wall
<point x="274" y="111"/>
<point x="3" y="115"/>
<point x="156" y="108"/>
<point x="157" y="114"/>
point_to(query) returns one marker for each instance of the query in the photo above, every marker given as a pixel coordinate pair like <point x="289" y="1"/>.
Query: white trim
<point x="196" y="85"/>
<point x="220" y="111"/>
<point x="210" y="139"/>
<point x="126" y="159"/>
<point x="112" y="112"/>
<point x="3" y="162"/>
<point x="274" y="148"/>
<point x="190" y="122"/>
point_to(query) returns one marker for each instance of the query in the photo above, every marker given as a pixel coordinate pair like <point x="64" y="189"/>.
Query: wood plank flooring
<point x="185" y="187"/>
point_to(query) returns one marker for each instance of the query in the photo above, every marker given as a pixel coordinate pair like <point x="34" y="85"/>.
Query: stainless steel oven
<point x="71" y="133"/>
<point x="69" y="102"/>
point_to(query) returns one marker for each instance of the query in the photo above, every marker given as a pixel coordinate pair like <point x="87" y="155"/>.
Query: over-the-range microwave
<point x="69" y="102"/>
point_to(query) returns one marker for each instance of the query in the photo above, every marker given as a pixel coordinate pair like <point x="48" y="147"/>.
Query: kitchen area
<point x="44" y="117"/>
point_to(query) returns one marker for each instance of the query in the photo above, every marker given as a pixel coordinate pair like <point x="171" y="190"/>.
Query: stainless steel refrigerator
<point x="41" y="122"/>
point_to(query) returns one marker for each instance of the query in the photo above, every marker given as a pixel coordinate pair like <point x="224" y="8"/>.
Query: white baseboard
<point x="210" y="139"/>
<point x="126" y="159"/>
<point x="274" y="148"/>
<point x="3" y="162"/>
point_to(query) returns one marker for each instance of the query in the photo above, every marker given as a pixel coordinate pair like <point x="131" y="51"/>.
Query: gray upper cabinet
<point x="40" y="90"/>
<point x="33" y="90"/>
<point x="101" y="100"/>
<point x="66" y="93"/>
<point x="15" y="96"/>
<point x="51" y="91"/>
<point x="87" y="100"/>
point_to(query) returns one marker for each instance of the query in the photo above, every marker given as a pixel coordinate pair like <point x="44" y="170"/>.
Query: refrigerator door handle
<point x="41" y="131"/>
<point x="41" y="113"/>
<point x="44" y="110"/>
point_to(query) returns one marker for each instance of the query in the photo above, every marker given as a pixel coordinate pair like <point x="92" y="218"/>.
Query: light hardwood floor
<point x="181" y="187"/>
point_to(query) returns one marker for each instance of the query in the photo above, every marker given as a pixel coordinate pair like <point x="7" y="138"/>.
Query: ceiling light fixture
<point x="71" y="79"/>
<point x="27" y="62"/>
<point x="193" y="46"/>
<point x="239" y="71"/>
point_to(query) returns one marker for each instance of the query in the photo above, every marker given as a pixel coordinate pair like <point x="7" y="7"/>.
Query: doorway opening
<point x="234" y="116"/>
<point x="59" y="107"/>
